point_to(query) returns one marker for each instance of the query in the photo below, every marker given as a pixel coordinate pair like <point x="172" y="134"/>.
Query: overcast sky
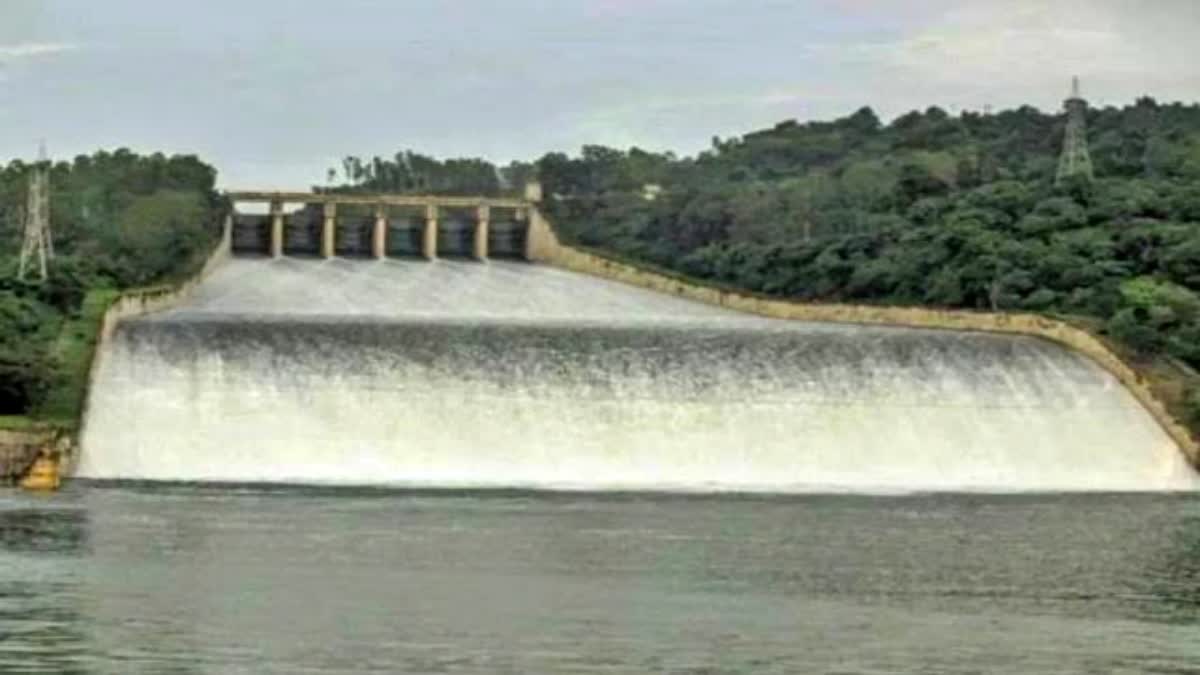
<point x="275" y="91"/>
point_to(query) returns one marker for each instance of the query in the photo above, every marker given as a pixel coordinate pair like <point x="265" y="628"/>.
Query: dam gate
<point x="383" y="226"/>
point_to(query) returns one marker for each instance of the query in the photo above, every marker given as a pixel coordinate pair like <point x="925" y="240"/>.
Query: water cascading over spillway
<point x="509" y="374"/>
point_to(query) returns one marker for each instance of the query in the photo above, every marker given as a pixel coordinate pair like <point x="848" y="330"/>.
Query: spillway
<point x="460" y="374"/>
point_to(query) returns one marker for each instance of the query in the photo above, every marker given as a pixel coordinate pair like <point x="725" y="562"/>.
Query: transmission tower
<point x="38" y="241"/>
<point x="1076" y="161"/>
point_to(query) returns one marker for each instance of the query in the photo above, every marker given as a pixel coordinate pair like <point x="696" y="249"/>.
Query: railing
<point x="267" y="197"/>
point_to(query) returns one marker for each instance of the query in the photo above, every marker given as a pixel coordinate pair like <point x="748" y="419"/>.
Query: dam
<point x="508" y="374"/>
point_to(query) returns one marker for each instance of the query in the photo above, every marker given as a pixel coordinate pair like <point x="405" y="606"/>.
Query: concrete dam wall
<point x="509" y="374"/>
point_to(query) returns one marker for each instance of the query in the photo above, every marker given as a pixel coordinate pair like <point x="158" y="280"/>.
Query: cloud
<point x="685" y="122"/>
<point x="683" y="106"/>
<point x="1011" y="42"/>
<point x="27" y="50"/>
<point x="621" y="9"/>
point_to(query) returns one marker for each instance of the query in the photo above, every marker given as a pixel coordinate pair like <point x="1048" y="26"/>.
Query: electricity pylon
<point x="38" y="242"/>
<point x="1076" y="161"/>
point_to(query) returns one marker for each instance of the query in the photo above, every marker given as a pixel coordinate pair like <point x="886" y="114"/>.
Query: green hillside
<point x="120" y="221"/>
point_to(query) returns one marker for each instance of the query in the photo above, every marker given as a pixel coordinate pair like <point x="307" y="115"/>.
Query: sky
<point x="273" y="92"/>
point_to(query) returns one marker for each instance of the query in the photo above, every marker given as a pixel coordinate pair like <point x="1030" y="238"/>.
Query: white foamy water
<point x="465" y="374"/>
<point x="416" y="290"/>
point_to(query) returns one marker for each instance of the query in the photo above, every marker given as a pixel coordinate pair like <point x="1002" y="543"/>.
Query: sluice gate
<point x="381" y="226"/>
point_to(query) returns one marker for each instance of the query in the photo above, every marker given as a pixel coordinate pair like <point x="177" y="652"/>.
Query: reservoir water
<point x="138" y="578"/>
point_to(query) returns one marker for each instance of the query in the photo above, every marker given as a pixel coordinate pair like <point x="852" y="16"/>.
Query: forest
<point x="120" y="220"/>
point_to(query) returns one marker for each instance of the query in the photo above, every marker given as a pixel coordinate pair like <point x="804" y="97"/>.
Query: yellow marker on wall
<point x="42" y="476"/>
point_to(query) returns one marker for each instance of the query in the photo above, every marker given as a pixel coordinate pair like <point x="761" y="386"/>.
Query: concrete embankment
<point x="544" y="246"/>
<point x="41" y="451"/>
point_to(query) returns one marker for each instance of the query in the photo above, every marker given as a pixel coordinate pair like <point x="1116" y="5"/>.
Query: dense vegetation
<point x="411" y="172"/>
<point x="120" y="220"/>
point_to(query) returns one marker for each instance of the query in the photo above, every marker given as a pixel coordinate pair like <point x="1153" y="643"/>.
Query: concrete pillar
<point x="276" y="229"/>
<point x="227" y="235"/>
<point x="429" y="241"/>
<point x="329" y="230"/>
<point x="531" y="243"/>
<point x="379" y="234"/>
<point x="541" y="244"/>
<point x="481" y="232"/>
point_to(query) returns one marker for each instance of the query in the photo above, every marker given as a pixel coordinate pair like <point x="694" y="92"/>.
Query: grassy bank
<point x="73" y="351"/>
<point x="1175" y="386"/>
<point x="24" y="423"/>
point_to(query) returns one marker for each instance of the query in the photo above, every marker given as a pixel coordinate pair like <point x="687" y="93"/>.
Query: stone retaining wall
<point x="18" y="449"/>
